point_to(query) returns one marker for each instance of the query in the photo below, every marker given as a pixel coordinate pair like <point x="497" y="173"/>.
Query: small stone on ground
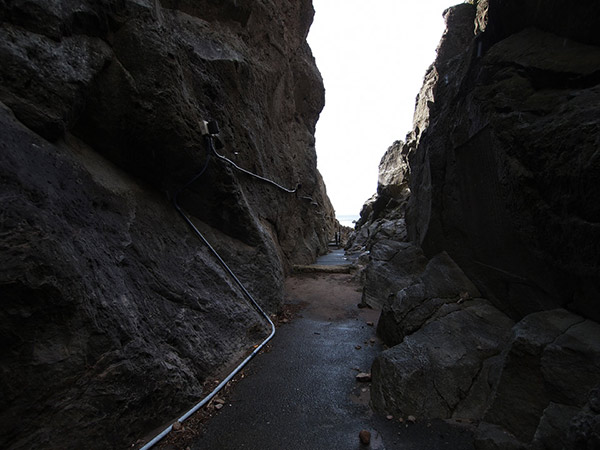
<point x="365" y="437"/>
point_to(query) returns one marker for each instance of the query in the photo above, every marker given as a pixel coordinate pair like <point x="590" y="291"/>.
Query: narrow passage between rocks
<point x="303" y="392"/>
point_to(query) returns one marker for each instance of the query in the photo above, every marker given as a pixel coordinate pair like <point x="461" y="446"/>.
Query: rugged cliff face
<point x="490" y="304"/>
<point x="505" y="175"/>
<point x="113" y="313"/>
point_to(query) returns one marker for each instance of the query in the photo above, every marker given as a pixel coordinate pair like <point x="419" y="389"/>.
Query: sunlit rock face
<point x="114" y="314"/>
<point x="497" y="319"/>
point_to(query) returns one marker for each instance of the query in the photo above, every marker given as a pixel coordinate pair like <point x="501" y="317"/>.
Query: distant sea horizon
<point x="347" y="220"/>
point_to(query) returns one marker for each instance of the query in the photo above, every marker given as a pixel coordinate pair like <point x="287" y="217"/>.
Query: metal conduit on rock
<point x="210" y="130"/>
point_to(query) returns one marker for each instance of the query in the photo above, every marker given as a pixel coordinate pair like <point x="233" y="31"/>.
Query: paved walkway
<point x="333" y="258"/>
<point x="302" y="393"/>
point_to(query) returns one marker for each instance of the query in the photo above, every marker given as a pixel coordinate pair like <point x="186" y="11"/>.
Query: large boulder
<point x="445" y="341"/>
<point x="445" y="368"/>
<point x="549" y="370"/>
<point x="534" y="385"/>
<point x="392" y="266"/>
<point x="441" y="282"/>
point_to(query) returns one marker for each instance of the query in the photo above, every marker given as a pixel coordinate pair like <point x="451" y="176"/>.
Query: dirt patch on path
<point x="327" y="297"/>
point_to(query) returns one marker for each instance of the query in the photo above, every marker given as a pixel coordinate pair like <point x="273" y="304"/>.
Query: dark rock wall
<point x="505" y="174"/>
<point x="113" y="313"/>
<point x="488" y="278"/>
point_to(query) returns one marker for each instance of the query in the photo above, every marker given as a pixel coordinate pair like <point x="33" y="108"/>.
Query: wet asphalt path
<point x="335" y="257"/>
<point x="302" y="393"/>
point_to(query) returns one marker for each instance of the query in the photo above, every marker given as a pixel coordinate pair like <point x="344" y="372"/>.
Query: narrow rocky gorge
<point x="481" y="244"/>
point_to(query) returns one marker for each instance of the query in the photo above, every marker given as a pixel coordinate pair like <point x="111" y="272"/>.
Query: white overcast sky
<point x="372" y="56"/>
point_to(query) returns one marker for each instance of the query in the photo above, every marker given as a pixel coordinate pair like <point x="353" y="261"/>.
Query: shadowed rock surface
<point x="559" y="353"/>
<point x="113" y="313"/>
<point x="486" y="265"/>
<point x="504" y="175"/>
